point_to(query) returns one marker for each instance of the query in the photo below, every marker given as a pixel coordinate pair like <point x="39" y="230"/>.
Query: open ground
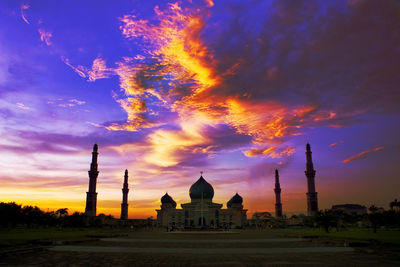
<point x="96" y="247"/>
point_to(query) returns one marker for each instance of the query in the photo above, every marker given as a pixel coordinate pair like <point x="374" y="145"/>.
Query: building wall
<point x="191" y="215"/>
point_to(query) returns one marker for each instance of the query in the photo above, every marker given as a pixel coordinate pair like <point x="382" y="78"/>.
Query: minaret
<point x="278" y="204"/>
<point x="124" y="205"/>
<point x="91" y="196"/>
<point x="312" y="201"/>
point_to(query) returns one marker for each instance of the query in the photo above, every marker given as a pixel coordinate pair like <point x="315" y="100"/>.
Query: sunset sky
<point x="169" y="89"/>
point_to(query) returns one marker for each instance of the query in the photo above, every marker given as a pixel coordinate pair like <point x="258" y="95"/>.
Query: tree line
<point x="13" y="214"/>
<point x="375" y="218"/>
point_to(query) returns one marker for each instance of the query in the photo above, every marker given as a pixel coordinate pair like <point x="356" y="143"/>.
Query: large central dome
<point x="201" y="190"/>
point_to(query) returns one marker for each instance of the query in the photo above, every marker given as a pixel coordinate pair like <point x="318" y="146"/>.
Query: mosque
<point x="202" y="212"/>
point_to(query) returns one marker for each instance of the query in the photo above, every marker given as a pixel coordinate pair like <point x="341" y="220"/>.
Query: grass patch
<point x="12" y="237"/>
<point x="354" y="234"/>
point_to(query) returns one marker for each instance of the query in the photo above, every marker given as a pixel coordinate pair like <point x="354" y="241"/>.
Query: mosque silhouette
<point x="201" y="211"/>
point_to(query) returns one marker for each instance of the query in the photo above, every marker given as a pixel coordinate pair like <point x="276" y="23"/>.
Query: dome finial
<point x="201" y="173"/>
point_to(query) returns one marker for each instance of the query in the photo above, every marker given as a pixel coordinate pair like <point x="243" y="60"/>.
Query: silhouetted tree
<point x="326" y="219"/>
<point x="76" y="219"/>
<point x="375" y="217"/>
<point x="33" y="216"/>
<point x="309" y="221"/>
<point x="10" y="214"/>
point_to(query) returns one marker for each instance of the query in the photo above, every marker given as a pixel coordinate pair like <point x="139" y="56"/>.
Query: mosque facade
<point x="201" y="212"/>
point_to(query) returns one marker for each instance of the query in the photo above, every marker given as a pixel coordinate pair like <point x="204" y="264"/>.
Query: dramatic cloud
<point x="362" y="155"/>
<point x="185" y="74"/>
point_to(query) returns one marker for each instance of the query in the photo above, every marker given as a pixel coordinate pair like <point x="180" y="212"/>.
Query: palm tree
<point x="62" y="212"/>
<point x="395" y="204"/>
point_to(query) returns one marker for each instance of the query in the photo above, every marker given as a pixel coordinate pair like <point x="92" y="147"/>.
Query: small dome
<point x="236" y="199"/>
<point x="201" y="190"/>
<point x="167" y="199"/>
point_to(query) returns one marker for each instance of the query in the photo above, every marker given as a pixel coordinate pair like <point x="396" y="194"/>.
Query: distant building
<point x="262" y="216"/>
<point x="351" y="209"/>
<point x="260" y="219"/>
<point x="295" y="220"/>
<point x="201" y="212"/>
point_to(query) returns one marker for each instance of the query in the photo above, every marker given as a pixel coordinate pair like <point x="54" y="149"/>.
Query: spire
<point x="276" y="177"/>
<point x="277" y="190"/>
<point x="126" y="177"/>
<point x="91" y="195"/>
<point x="93" y="165"/>
<point x="124" y="204"/>
<point x="312" y="200"/>
<point x="309" y="163"/>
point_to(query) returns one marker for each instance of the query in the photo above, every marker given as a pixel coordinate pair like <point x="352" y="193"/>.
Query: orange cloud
<point x="273" y="152"/>
<point x="45" y="36"/>
<point x="210" y="3"/>
<point x="325" y="116"/>
<point x="176" y="42"/>
<point x="165" y="144"/>
<point x="362" y="154"/>
<point x="336" y="143"/>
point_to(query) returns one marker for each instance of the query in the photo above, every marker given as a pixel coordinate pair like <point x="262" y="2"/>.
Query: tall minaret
<point x="312" y="201"/>
<point x="124" y="205"/>
<point x="278" y="204"/>
<point x="91" y="196"/>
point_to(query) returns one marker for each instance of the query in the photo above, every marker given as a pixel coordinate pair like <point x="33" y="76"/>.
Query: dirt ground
<point x="202" y="249"/>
